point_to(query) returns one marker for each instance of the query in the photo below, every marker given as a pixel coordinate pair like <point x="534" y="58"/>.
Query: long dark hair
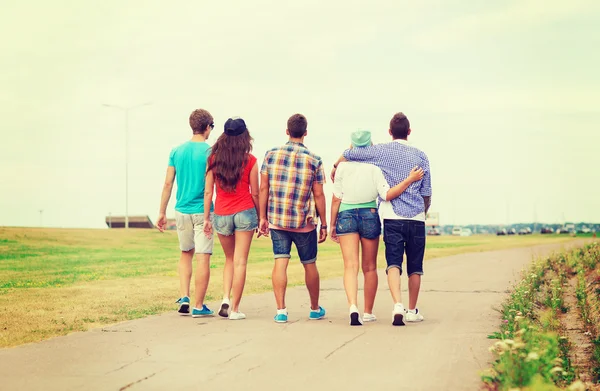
<point x="229" y="157"/>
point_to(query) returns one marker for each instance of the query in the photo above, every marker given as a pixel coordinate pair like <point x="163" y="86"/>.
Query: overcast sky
<point x="504" y="96"/>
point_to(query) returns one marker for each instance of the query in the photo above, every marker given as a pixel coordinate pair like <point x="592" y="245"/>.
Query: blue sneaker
<point x="205" y="311"/>
<point x="281" y="318"/>
<point x="184" y="305"/>
<point x="316" y="315"/>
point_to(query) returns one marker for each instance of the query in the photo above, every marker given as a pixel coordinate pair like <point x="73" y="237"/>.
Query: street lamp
<point x="126" y="111"/>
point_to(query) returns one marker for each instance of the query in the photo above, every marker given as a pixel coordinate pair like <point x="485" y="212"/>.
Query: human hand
<point x="161" y="222"/>
<point x="208" y="229"/>
<point x="415" y="174"/>
<point x="322" y="234"/>
<point x="263" y="227"/>
<point x="333" y="235"/>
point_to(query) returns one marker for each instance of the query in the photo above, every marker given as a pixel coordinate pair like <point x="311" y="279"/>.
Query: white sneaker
<point x="398" y="315"/>
<point x="369" y="317"/>
<point x="413" y="316"/>
<point x="224" y="311"/>
<point x="354" y="316"/>
<point x="237" y="316"/>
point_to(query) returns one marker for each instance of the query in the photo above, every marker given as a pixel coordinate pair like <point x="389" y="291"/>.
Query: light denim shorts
<point x="246" y="220"/>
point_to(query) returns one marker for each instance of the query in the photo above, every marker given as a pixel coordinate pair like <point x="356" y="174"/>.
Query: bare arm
<point x="254" y="189"/>
<point x="263" y="203"/>
<point x="164" y="199"/>
<point x="317" y="190"/>
<point x="209" y="186"/>
<point x="335" y="165"/>
<point x="335" y="208"/>
<point x="427" y="200"/>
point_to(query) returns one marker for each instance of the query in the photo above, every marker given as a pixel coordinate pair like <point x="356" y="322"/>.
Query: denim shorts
<point x="306" y="244"/>
<point x="246" y="220"/>
<point x="402" y="236"/>
<point x="363" y="221"/>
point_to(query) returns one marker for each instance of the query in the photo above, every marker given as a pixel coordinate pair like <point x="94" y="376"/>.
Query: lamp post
<point x="126" y="110"/>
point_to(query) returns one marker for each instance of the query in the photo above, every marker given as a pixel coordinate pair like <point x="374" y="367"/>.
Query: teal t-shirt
<point x="189" y="160"/>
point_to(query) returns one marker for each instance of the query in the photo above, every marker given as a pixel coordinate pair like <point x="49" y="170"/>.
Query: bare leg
<point x="185" y="272"/>
<point x="202" y="278"/>
<point x="393" y="278"/>
<point x="370" y="247"/>
<point x="228" y="244"/>
<point x="414" y="286"/>
<point x="279" y="278"/>
<point x="349" y="246"/>
<point x="311" y="277"/>
<point x="243" y="239"/>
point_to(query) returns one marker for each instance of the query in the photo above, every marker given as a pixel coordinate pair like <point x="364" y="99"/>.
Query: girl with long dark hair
<point x="233" y="171"/>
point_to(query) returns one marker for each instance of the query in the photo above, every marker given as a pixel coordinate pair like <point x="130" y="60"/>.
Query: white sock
<point x="282" y="312"/>
<point x="353" y="308"/>
<point x="413" y="311"/>
<point x="399" y="305"/>
<point x="226" y="300"/>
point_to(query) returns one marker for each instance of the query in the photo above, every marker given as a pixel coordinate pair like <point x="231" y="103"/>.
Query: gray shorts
<point x="190" y="230"/>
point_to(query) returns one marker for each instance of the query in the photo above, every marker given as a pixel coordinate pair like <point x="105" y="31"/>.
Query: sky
<point x="503" y="96"/>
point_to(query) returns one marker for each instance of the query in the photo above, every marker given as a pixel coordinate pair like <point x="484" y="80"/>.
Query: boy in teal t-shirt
<point x="187" y="165"/>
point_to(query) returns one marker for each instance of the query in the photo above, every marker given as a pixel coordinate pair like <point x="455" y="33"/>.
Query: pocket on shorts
<point x="180" y="221"/>
<point x="393" y="233"/>
<point x="345" y="223"/>
<point x="246" y="220"/>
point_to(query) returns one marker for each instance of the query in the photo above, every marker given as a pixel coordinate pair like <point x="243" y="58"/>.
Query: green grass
<point x="532" y="352"/>
<point x="114" y="275"/>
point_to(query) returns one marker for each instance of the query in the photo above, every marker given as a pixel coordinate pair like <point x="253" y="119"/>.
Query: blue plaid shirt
<point x="396" y="159"/>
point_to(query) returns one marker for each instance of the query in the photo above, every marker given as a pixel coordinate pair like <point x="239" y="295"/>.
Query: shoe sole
<point x="184" y="309"/>
<point x="355" y="319"/>
<point x="398" y="320"/>
<point x="369" y="320"/>
<point x="202" y="316"/>
<point x="280" y="321"/>
<point x="223" y="312"/>
<point x="319" y="318"/>
<point x="414" y="321"/>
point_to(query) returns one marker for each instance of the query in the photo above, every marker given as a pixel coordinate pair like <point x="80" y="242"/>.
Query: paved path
<point x="170" y="352"/>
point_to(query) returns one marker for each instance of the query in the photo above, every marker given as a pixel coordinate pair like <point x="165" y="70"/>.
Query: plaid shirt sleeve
<point x="320" y="174"/>
<point x="264" y="169"/>
<point x="372" y="154"/>
<point x="425" y="189"/>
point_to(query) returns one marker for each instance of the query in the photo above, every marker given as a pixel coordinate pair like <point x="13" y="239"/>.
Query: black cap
<point x="235" y="126"/>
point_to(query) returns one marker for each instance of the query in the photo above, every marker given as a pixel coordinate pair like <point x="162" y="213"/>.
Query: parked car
<point x="528" y="230"/>
<point x="522" y="231"/>
<point x="502" y="232"/>
<point x="456" y="231"/>
<point x="466" y="232"/>
<point x="512" y="231"/>
<point x="547" y="230"/>
<point x="434" y="232"/>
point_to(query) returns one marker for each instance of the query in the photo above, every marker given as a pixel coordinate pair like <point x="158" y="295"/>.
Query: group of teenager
<point x="378" y="185"/>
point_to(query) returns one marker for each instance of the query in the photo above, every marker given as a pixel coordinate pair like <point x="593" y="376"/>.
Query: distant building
<point x="134" y="222"/>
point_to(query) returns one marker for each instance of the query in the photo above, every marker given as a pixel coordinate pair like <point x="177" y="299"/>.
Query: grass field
<point x="549" y="338"/>
<point x="56" y="281"/>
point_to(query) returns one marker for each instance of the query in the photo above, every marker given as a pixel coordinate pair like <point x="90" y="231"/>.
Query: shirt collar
<point x="405" y="142"/>
<point x="295" y="143"/>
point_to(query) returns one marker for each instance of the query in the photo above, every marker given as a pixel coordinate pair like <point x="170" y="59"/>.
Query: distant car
<point x="434" y="232"/>
<point x="512" y="231"/>
<point x="528" y="230"/>
<point x="501" y="232"/>
<point x="466" y="232"/>
<point x="547" y="230"/>
<point x="522" y="231"/>
<point x="456" y="231"/>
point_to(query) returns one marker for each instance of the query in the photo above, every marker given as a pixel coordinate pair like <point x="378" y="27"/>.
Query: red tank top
<point x="231" y="202"/>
